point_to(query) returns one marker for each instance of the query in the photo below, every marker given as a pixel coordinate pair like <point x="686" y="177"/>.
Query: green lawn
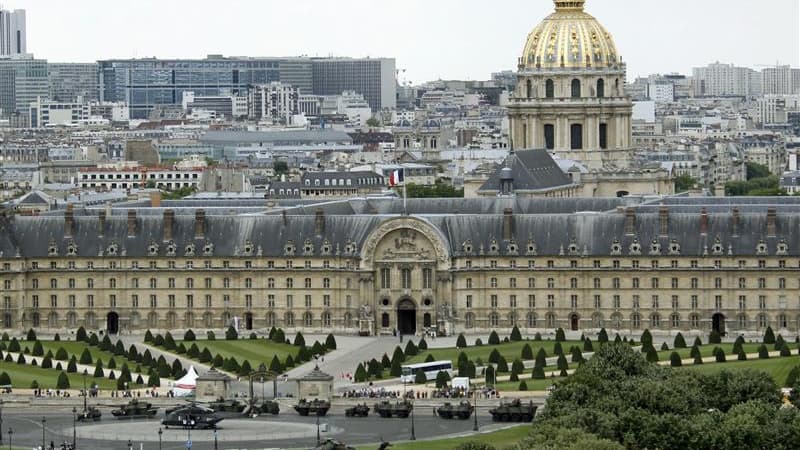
<point x="256" y="351"/>
<point x="708" y="350"/>
<point x="76" y="348"/>
<point x="23" y="375"/>
<point x="498" y="439"/>
<point x="778" y="368"/>
<point x="533" y="385"/>
<point x="510" y="351"/>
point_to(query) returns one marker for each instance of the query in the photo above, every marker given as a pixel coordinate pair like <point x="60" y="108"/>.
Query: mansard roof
<point x="701" y="227"/>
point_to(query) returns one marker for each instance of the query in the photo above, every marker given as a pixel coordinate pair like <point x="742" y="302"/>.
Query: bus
<point x="431" y="369"/>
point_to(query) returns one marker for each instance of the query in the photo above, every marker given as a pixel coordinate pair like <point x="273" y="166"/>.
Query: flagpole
<point x="405" y="196"/>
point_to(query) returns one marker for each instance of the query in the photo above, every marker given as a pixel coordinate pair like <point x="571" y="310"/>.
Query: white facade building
<point x="661" y="92"/>
<point x="46" y="113"/>
<point x="777" y="80"/>
<point x="129" y="175"/>
<point x="720" y="80"/>
<point x="275" y="102"/>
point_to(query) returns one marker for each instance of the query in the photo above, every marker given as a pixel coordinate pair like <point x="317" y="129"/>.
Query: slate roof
<point x="576" y="227"/>
<point x="275" y="137"/>
<point x="532" y="170"/>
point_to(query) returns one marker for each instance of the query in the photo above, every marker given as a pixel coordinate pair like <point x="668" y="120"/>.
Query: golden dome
<point x="569" y="38"/>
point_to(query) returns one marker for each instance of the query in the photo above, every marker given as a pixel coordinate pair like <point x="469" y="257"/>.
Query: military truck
<point x="387" y="409"/>
<point x="135" y="410"/>
<point x="90" y="413"/>
<point x="361" y="410"/>
<point x="314" y="407"/>
<point x="513" y="411"/>
<point x="268" y="407"/>
<point x="223" y="405"/>
<point x="461" y="411"/>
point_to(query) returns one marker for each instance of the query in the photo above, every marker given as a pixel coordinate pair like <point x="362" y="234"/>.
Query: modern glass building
<point x="68" y="81"/>
<point x="24" y="79"/>
<point x="374" y="78"/>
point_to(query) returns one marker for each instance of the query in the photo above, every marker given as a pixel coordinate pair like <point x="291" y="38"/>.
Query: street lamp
<point x="74" y="418"/>
<point x="10" y="432"/>
<point x="130" y="445"/>
<point x="160" y="432"/>
<point x="43" y="423"/>
<point x="215" y="439"/>
<point x="85" y="392"/>
<point x="475" y="427"/>
<point x="319" y="440"/>
<point x="413" y="435"/>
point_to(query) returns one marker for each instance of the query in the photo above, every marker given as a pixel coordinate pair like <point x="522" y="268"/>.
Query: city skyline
<point x="652" y="36"/>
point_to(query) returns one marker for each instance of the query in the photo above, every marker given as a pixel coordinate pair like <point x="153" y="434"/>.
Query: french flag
<point x="396" y="178"/>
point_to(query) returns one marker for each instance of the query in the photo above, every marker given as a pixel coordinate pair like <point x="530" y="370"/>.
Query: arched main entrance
<point x="718" y="323"/>
<point x="574" y="322"/>
<point x="407" y="316"/>
<point x="112" y="323"/>
<point x="248" y="321"/>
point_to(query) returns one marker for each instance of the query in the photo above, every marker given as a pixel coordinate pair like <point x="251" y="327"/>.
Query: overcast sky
<point x="431" y="39"/>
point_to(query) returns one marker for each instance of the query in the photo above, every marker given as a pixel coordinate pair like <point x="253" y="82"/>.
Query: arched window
<point x="270" y="320"/>
<point x="208" y="320"/>
<point x="289" y="319"/>
<point x="551" y="320"/>
<point x="72" y="319"/>
<point x="469" y="321"/>
<point x="531" y="320"/>
<point x="576" y="136"/>
<point x="655" y="321"/>
<point x="528" y="89"/>
<point x="636" y="322"/>
<point x="616" y="321"/>
<point x="549" y="136"/>
<point x="326" y="319"/>
<point x="675" y="321"/>
<point x="171" y="319"/>
<point x="597" y="320"/>
<point x="694" y="321"/>
<point x="576" y="88"/>
<point x="152" y="320"/>
<point x="601" y="88"/>
<point x="348" y="320"/>
<point x="52" y="320"/>
<point x="188" y="320"/>
<point x="426" y="320"/>
<point x="603" y="136"/>
<point x="741" y="321"/>
<point x="494" y="320"/>
<point x="549" y="89"/>
<point x="762" y="321"/>
<point x="308" y="319"/>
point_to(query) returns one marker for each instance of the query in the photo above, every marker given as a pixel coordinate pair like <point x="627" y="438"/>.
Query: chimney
<point x="663" y="221"/>
<point x="703" y="221"/>
<point x="131" y="223"/>
<point x="155" y="199"/>
<point x="630" y="221"/>
<point x="200" y="224"/>
<point x="508" y="224"/>
<point x="69" y="221"/>
<point x="319" y="222"/>
<point x="772" y="216"/>
<point x="169" y="221"/>
<point x="735" y="222"/>
<point x="102" y="219"/>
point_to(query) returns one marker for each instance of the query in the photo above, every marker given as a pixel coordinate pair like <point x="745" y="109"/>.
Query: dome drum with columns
<point x="570" y="97"/>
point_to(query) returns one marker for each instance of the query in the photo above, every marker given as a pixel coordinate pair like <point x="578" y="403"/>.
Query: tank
<point x="462" y="411"/>
<point x="268" y="407"/>
<point x="514" y="411"/>
<point x="331" y="444"/>
<point x="222" y="405"/>
<point x="387" y="409"/>
<point x="361" y="410"/>
<point x="135" y="410"/>
<point x="315" y="407"/>
<point x="91" y="413"/>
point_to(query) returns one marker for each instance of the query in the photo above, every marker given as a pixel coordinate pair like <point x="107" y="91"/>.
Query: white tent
<point x="186" y="385"/>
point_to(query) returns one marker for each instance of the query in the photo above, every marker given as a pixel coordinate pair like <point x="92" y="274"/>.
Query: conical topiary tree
<point x="741" y="356"/>
<point x="189" y="335"/>
<point x="576" y="355"/>
<point x="5" y="380"/>
<point x="698" y="359"/>
<point x="779" y="342"/>
<point x="205" y="355"/>
<point x="785" y="350"/>
<point x="502" y="365"/>
<point x="38" y="350"/>
<point x="299" y="340"/>
<point x="541" y="358"/>
<point x="98" y="369"/>
<point x="461" y="341"/>
<point x="210" y="336"/>
<point x="275" y="365"/>
<point x="675" y="360"/>
<point x="490" y="376"/>
<point x="538" y="373"/>
<point x="516" y="336"/>
<point x="386" y="362"/>
<point x="647" y="340"/>
<point x="557" y="349"/>
<point x="494" y="339"/>
<point x="422" y="345"/>
<point x="31" y="336"/>
<point x="714" y="337"/>
<point x="361" y="374"/>
<point x="411" y="349"/>
<point x="169" y="341"/>
<point x="562" y="363"/>
<point x="494" y="356"/>
<point x="442" y="378"/>
<point x="219" y="360"/>
<point x="737" y="345"/>
<point x="769" y="336"/>
<point x="791" y="378"/>
<point x="587" y="345"/>
<point x="602" y="337"/>
<point x="652" y="355"/>
<point x="430" y="358"/>
<point x="72" y="366"/>
<point x="527" y="352"/>
<point x="112" y="363"/>
<point x="86" y="357"/>
<point x="560" y="335"/>
<point x="763" y="353"/>
<point x="330" y="342"/>
<point x="679" y="342"/>
<point x="664" y="347"/>
<point x="523" y="386"/>
<point x="153" y="380"/>
<point x="81" y="336"/>
<point x="231" y="334"/>
<point x="420" y="378"/>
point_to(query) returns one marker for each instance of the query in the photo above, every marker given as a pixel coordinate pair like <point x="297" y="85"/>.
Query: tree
<point x="411" y="349"/>
<point x="133" y="354"/>
<point x="31" y="336"/>
<point x="396" y="368"/>
<point x="189" y="335"/>
<point x="719" y="354"/>
<point x="675" y="360"/>
<point x="5" y="380"/>
<point x="516" y="336"/>
<point x="527" y="352"/>
<point x="193" y="352"/>
<point x="737" y="345"/>
<point x="523" y="386"/>
<point x="684" y="183"/>
<point x="714" y="337"/>
<point x="587" y="345"/>
<point x="494" y="339"/>
<point x="34" y="384"/>
<point x="72" y="366"/>
<point x="372" y="122"/>
<point x="538" y="373"/>
<point x="280" y="167"/>
<point x="158" y="341"/>
<point x="47" y="363"/>
<point x="219" y="360"/>
<point x="38" y="350"/>
<point x="763" y="353"/>
<point x="94" y="341"/>
<point x="330" y="342"/>
<point x="562" y="363"/>
<point x="602" y="338"/>
<point x="517" y="367"/>
<point x="211" y="336"/>
<point x="398" y="355"/>
<point x="153" y="380"/>
<point x="13" y="346"/>
<point x="80" y="335"/>
<point x="779" y="342"/>
<point x="647" y="340"/>
<point x="576" y="355"/>
<point x="478" y="342"/>
<point x="756" y="170"/>
<point x="169" y="341"/>
<point x="664" y="347"/>
<point x="430" y="358"/>
<point x="490" y="376"/>
<point x="442" y="378"/>
<point x="541" y="358"/>
<point x="21" y="359"/>
<point x="560" y="336"/>
<point x="461" y="341"/>
<point x="651" y="355"/>
<point x="422" y="345"/>
<point x="502" y="365"/>
<point x="741" y="356"/>
<point x="86" y="357"/>
<point x="280" y="336"/>
<point x="177" y="369"/>
<point x="98" y="369"/>
<point x="374" y="368"/>
<point x="231" y="334"/>
<point x="697" y="342"/>
<point x="557" y="349"/>
<point x="679" y="342"/>
<point x="438" y="190"/>
<point x="420" y="378"/>
<point x="119" y="349"/>
<point x="791" y="378"/>
<point x="245" y="369"/>
<point x="105" y="344"/>
<point x="275" y="365"/>
<point x="386" y="362"/>
<point x="494" y="356"/>
<point x="299" y="340"/>
<point x="785" y="350"/>
<point x="112" y="363"/>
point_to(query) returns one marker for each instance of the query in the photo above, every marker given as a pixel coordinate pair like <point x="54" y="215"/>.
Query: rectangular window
<point x="512" y="283"/>
<point x="153" y="301"/>
<point x="512" y="301"/>
<point x="248" y="301"/>
<point x="551" y="301"/>
<point x="427" y="278"/>
<point x="655" y="302"/>
<point x="308" y="301"/>
<point x="576" y="136"/>
<point x="636" y="302"/>
<point x="112" y="301"/>
<point x="90" y="301"/>
<point x="531" y="283"/>
<point x="531" y="301"/>
<point x="493" y="300"/>
<point x="326" y="300"/>
<point x="597" y="302"/>
<point x="762" y="302"/>
<point x="675" y="302"/>
<point x="694" y="302"/>
<point x="406" y="278"/>
<point x="386" y="280"/>
<point x="35" y="301"/>
<point x="718" y="302"/>
<point x="742" y="302"/>
<point x="270" y="301"/>
<point x="469" y="301"/>
<point x="674" y="283"/>
<point x="134" y="301"/>
<point x="549" y="136"/>
<point x="208" y="301"/>
<point x="616" y="301"/>
<point x="603" y="136"/>
<point x="54" y="301"/>
<point x="573" y="300"/>
<point x="171" y="300"/>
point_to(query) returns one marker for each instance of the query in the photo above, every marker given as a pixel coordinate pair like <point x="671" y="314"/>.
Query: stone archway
<point x="248" y="321"/>
<point x="718" y="323"/>
<point x="406" y="316"/>
<point x="574" y="322"/>
<point x="112" y="323"/>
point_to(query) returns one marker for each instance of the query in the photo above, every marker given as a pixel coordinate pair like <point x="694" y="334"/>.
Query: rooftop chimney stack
<point x="169" y="222"/>
<point x="703" y="221"/>
<point x="663" y="221"/>
<point x="319" y="222"/>
<point x="630" y="221"/>
<point x="772" y="219"/>
<point x="508" y="224"/>
<point x="735" y="221"/>
<point x="102" y="219"/>
<point x="200" y="224"/>
<point x="69" y="221"/>
<point x="131" y="223"/>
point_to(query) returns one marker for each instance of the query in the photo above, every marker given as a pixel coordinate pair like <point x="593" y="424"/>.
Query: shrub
<point x="502" y="365"/>
<point x="516" y="336"/>
<point x="21" y="359"/>
<point x="697" y="342"/>
<point x="38" y="350"/>
<point x="494" y="356"/>
<point x="719" y="354"/>
<point x="398" y="355"/>
<point x="791" y="378"/>
<point x="422" y="345"/>
<point x="411" y="349"/>
<point x="490" y="376"/>
<point x="474" y="445"/>
<point x="330" y="342"/>
<point x="317" y="349"/>
<point x="98" y="369"/>
<point x="602" y="338"/>
<point x="105" y="344"/>
<point x="741" y="356"/>
<point x="34" y="384"/>
<point x="275" y="365"/>
<point x="763" y="353"/>
<point x="299" y="340"/>
<point x="47" y="363"/>
<point x="13" y="346"/>
<point x="177" y="369"/>
<point x="119" y="349"/>
<point x="714" y="337"/>
<point x="557" y="349"/>
<point x="94" y="341"/>
<point x="205" y="355"/>
<point x="158" y="341"/>
<point x="617" y="339"/>
<point x="193" y="352"/>
<point x="517" y="366"/>
<point x="562" y="364"/>
<point x="231" y="334"/>
<point x="494" y="339"/>
<point x="541" y="358"/>
<point x="31" y="336"/>
<point x="577" y="356"/>
<point x="785" y="350"/>
<point x="189" y="335"/>
<point x="428" y="358"/>
<point x="675" y="360"/>
<point x="779" y="342"/>
<point x="513" y="377"/>
<point x="169" y="341"/>
<point x="219" y="360"/>
<point x="34" y="363"/>
<point x="245" y="369"/>
<point x="5" y="380"/>
<point x="112" y="363"/>
<point x="652" y="355"/>
<point x="211" y="336"/>
<point x="133" y="353"/>
<point x="587" y="345"/>
<point x="442" y="378"/>
<point x="280" y="336"/>
<point x="737" y="345"/>
<point x="253" y="336"/>
<point x="148" y="335"/>
<point x="647" y="339"/>
<point x="80" y="335"/>
<point x="664" y="347"/>
<point x="396" y="368"/>
<point x="153" y="380"/>
<point x="86" y="357"/>
<point x="679" y="342"/>
<point x="523" y="386"/>
<point x="461" y="341"/>
<point x="537" y="337"/>
<point x="147" y="358"/>
<point x="527" y="353"/>
<point x="560" y="337"/>
<point x="72" y="366"/>
<point x="181" y="350"/>
<point x="386" y="362"/>
<point x="769" y="336"/>
<point x="538" y="373"/>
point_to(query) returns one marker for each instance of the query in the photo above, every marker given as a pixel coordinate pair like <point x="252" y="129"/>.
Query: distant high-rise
<point x="724" y="80"/>
<point x="374" y="78"/>
<point x="12" y="32"/>
<point x="22" y="80"/>
<point x="69" y="81"/>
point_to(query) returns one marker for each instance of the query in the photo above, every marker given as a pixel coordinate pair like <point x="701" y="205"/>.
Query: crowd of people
<point x="50" y="393"/>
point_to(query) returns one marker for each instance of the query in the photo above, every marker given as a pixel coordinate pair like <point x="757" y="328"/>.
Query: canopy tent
<point x="186" y="385"/>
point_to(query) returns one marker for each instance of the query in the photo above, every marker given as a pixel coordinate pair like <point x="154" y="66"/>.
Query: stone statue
<point x="366" y="312"/>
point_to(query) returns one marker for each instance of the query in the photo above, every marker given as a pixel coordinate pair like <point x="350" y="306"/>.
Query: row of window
<point x="636" y="283"/>
<point x="114" y="265"/>
<point x="635" y="321"/>
<point x="188" y="283"/>
<point x="405" y="278"/>
<point x="172" y="301"/>
<point x="575" y="88"/>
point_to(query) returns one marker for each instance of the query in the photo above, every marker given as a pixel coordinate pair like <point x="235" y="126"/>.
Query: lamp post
<point x="85" y="392"/>
<point x="215" y="439"/>
<point x="475" y="426"/>
<point x="43" y="423"/>
<point x="160" y="432"/>
<point x="74" y="419"/>
<point x="10" y="433"/>
<point x="1" y="421"/>
<point x="413" y="434"/>
<point x="130" y="445"/>
<point x="319" y="440"/>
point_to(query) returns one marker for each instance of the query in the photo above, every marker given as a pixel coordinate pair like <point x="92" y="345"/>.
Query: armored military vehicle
<point x="135" y="410"/>
<point x="90" y="413"/>
<point x="387" y="409"/>
<point x="361" y="410"/>
<point x="223" y="405"/>
<point x="191" y="417"/>
<point x="461" y="411"/>
<point x="331" y="444"/>
<point x="314" y="407"/>
<point x="268" y="407"/>
<point x="514" y="411"/>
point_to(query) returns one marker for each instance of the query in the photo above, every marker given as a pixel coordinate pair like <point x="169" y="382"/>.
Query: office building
<point x="13" y="39"/>
<point x="374" y="78"/>
<point x="47" y="113"/>
<point x="227" y="106"/>
<point x="275" y="102"/>
<point x="723" y="80"/>
<point x="23" y="80"/>
<point x="72" y="81"/>
<point x="777" y="80"/>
